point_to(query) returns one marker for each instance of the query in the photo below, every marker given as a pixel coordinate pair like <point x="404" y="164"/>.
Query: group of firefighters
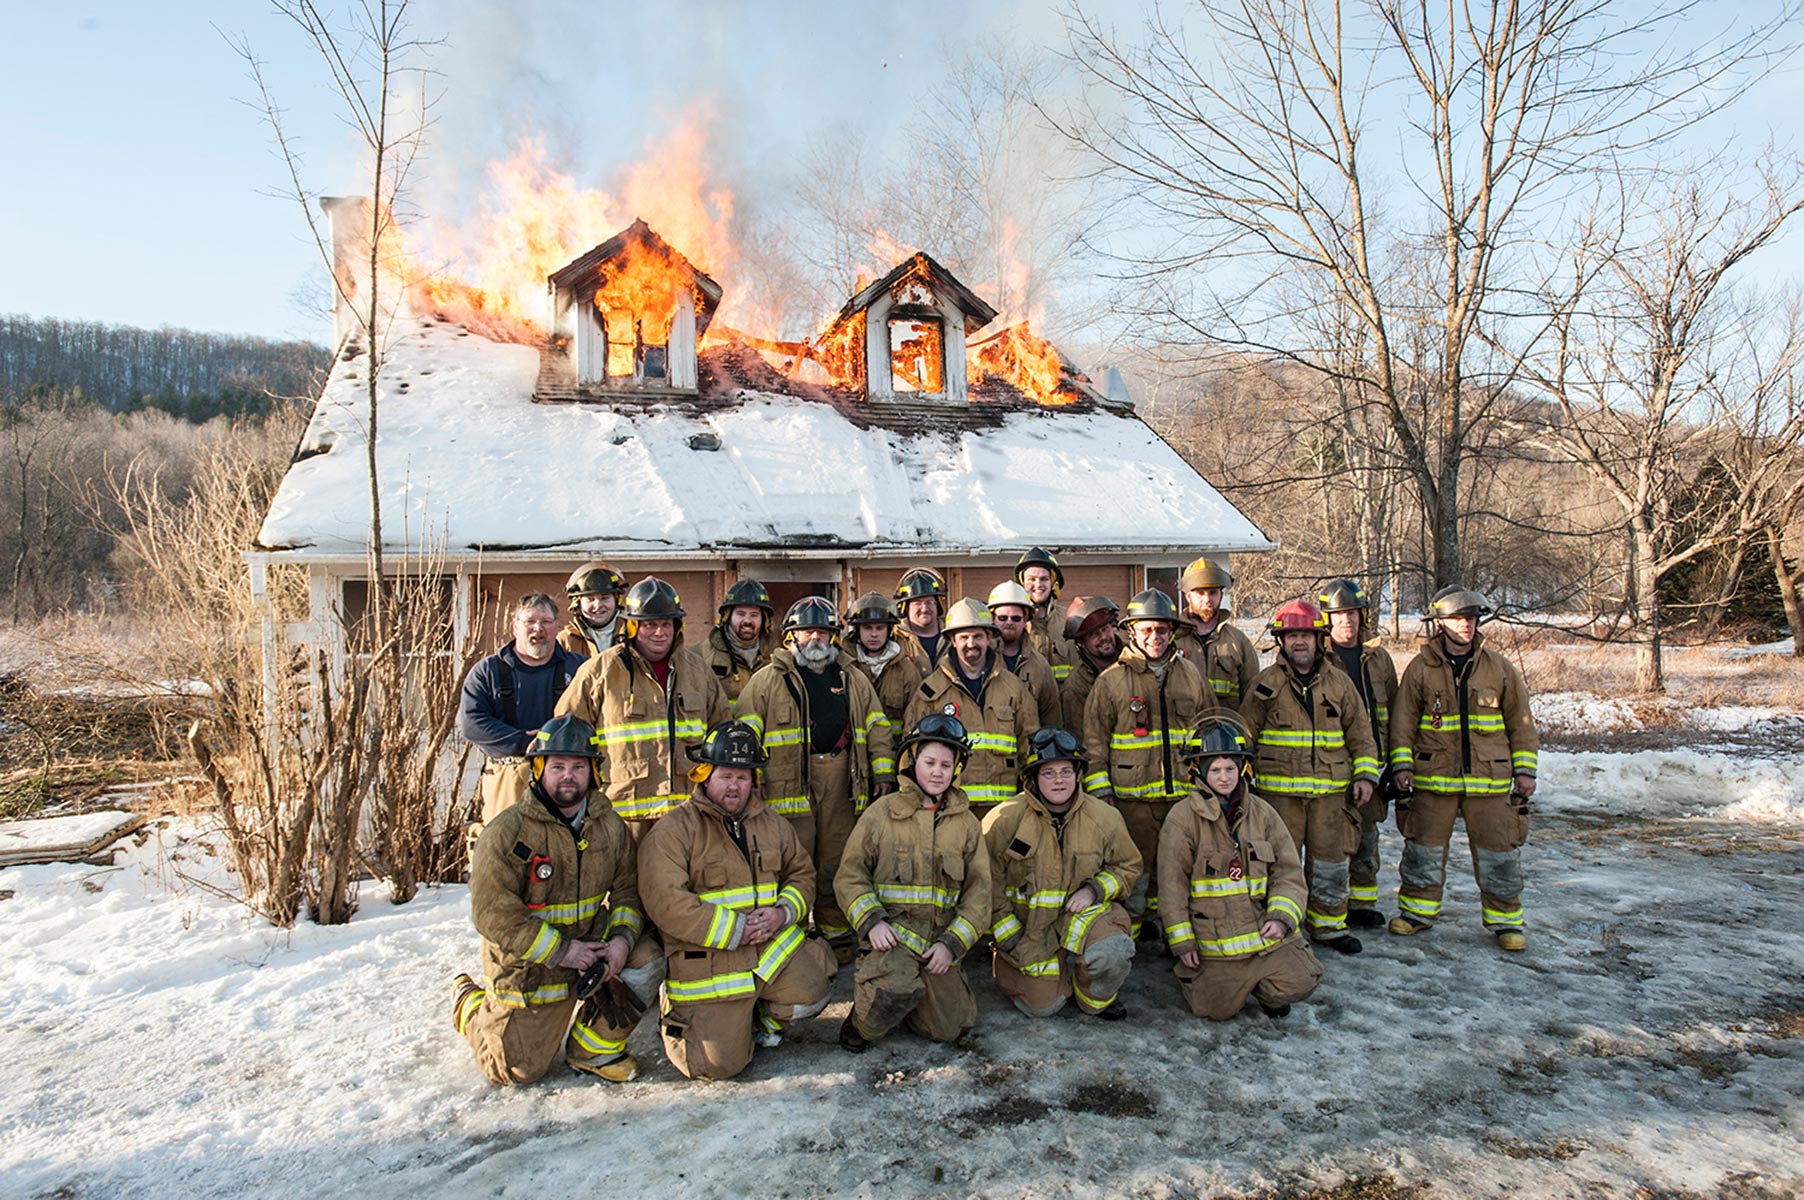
<point x="716" y="831"/>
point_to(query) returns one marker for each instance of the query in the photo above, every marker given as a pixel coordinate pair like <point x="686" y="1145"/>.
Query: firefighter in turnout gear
<point x="1314" y="761"/>
<point x="915" y="881"/>
<point x="1207" y="637"/>
<point x="1011" y="611"/>
<point x="594" y="590"/>
<point x="742" y="639"/>
<point x="1095" y="646"/>
<point x="1136" y="724"/>
<point x="1351" y="637"/>
<point x="921" y="597"/>
<point x="830" y="747"/>
<point x="508" y="696"/>
<point x="1061" y="861"/>
<point x="876" y="653"/>
<point x="1040" y="577"/>
<point x="729" y="887"/>
<point x="651" y="699"/>
<point x="553" y="891"/>
<point x="1463" y="744"/>
<point x="993" y="706"/>
<point x="1232" y="887"/>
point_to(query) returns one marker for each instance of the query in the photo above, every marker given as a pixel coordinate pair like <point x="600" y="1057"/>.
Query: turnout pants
<point x="1217" y="988"/>
<point x="825" y="831"/>
<point x="1144" y="819"/>
<point x="1496" y="828"/>
<point x="1362" y="869"/>
<point x="891" y="988"/>
<point x="1326" y="831"/>
<point x="712" y="1039"/>
<point x="503" y="781"/>
<point x="1092" y="977"/>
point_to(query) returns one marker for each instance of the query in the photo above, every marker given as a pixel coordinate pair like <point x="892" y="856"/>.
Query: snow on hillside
<point x="158" y="1040"/>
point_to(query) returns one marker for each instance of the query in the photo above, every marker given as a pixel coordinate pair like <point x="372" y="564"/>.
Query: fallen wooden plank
<point x="63" y="839"/>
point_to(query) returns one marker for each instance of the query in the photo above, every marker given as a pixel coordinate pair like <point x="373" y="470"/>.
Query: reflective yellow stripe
<point x="1042" y="899"/>
<point x="781" y="949"/>
<point x="1180" y="932"/>
<point x="910" y="938"/>
<point x="1474" y="785"/>
<point x="1133" y="741"/>
<point x="1225" y="687"/>
<point x="544" y="944"/>
<point x="1221" y="885"/>
<point x="789" y="806"/>
<point x="1284" y="904"/>
<point x="1363" y="891"/>
<point x="632" y="731"/>
<point x="551" y="993"/>
<point x="764" y="892"/>
<point x="722" y="929"/>
<point x="1402" y="757"/>
<point x="588" y="1040"/>
<point x="1499" y="916"/>
<point x="907" y="893"/>
<point x="777" y="738"/>
<point x="1061" y="671"/>
<point x="1322" y="920"/>
<point x="1096" y="781"/>
<point x="1045" y="968"/>
<point x="467" y="1009"/>
<point x="963" y="931"/>
<point x="866" y="904"/>
<point x="883" y="766"/>
<point x="1328" y="739"/>
<point x="1230" y="947"/>
<point x="996" y="743"/>
<point x="792" y="899"/>
<point x="1366" y="765"/>
<point x="1080" y="927"/>
<point x="729" y="986"/>
<point x="1524" y="760"/>
<point x="630" y="920"/>
<point x="569" y="914"/>
<point x="648" y="808"/>
<point x="988" y="793"/>
<point x="1006" y="927"/>
<point x="1419" y="906"/>
<point x="1298" y="785"/>
<point x="1110" y="883"/>
<point x="1450" y="723"/>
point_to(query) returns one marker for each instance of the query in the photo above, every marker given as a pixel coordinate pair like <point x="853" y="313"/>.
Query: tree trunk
<point x="1650" y="670"/>
<point x="1788" y="588"/>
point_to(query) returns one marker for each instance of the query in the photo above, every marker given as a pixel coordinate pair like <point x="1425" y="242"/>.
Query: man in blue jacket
<point x="509" y="694"/>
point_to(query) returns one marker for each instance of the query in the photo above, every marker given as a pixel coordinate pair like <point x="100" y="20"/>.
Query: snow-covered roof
<point x="470" y="462"/>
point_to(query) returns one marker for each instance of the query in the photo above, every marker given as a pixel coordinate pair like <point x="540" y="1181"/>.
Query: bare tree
<point x="1645" y="359"/>
<point x="1260" y="170"/>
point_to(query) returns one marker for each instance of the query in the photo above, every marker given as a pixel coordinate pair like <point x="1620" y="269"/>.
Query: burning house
<point x="636" y="429"/>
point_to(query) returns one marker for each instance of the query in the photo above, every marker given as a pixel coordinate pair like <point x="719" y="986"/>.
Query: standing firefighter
<point x="916" y="882"/>
<point x="1232" y="887"/>
<point x="651" y="700"/>
<point x="1136" y="724"/>
<point x="921" y="595"/>
<point x="992" y="705"/>
<point x="829" y="744"/>
<point x="594" y="590"/>
<point x="554" y="891"/>
<point x="879" y="657"/>
<point x="1061" y="861"/>
<point x="509" y="695"/>
<point x="1011" y="611"/>
<point x="1315" y="761"/>
<point x="1228" y="658"/>
<point x="1095" y="647"/>
<point x="742" y="638"/>
<point x="1039" y="575"/>
<point x="1351" y="636"/>
<point x="729" y="887"/>
<point x="1463" y="739"/>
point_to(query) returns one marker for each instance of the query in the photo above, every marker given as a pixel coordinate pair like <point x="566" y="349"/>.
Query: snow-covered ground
<point x="157" y="1040"/>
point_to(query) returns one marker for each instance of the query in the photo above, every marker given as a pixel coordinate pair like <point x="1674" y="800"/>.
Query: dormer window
<point x="632" y="311"/>
<point x="903" y="337"/>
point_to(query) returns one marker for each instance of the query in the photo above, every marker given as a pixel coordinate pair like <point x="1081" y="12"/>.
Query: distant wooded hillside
<point x="187" y="374"/>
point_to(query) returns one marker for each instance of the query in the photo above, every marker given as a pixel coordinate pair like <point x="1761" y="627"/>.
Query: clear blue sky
<point x="136" y="184"/>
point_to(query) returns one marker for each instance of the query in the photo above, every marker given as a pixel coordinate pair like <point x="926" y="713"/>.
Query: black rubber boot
<point x="1365" y="918"/>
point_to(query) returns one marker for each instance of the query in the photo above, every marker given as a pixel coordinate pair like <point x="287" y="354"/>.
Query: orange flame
<point x="533" y="220"/>
<point x="1022" y="358"/>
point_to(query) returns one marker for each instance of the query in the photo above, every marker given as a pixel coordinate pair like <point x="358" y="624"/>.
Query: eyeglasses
<point x="1058" y="770"/>
<point x="1050" y="742"/>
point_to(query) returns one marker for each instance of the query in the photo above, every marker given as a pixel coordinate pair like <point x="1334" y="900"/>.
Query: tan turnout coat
<point x="925" y="871"/>
<point x="1136" y="753"/>
<point x="1206" y="904"/>
<point x="1309" y="739"/>
<point x="1033" y="872"/>
<point x="590" y="892"/>
<point x="1476" y="755"/>
<point x="1228" y="658"/>
<point x="775" y="704"/>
